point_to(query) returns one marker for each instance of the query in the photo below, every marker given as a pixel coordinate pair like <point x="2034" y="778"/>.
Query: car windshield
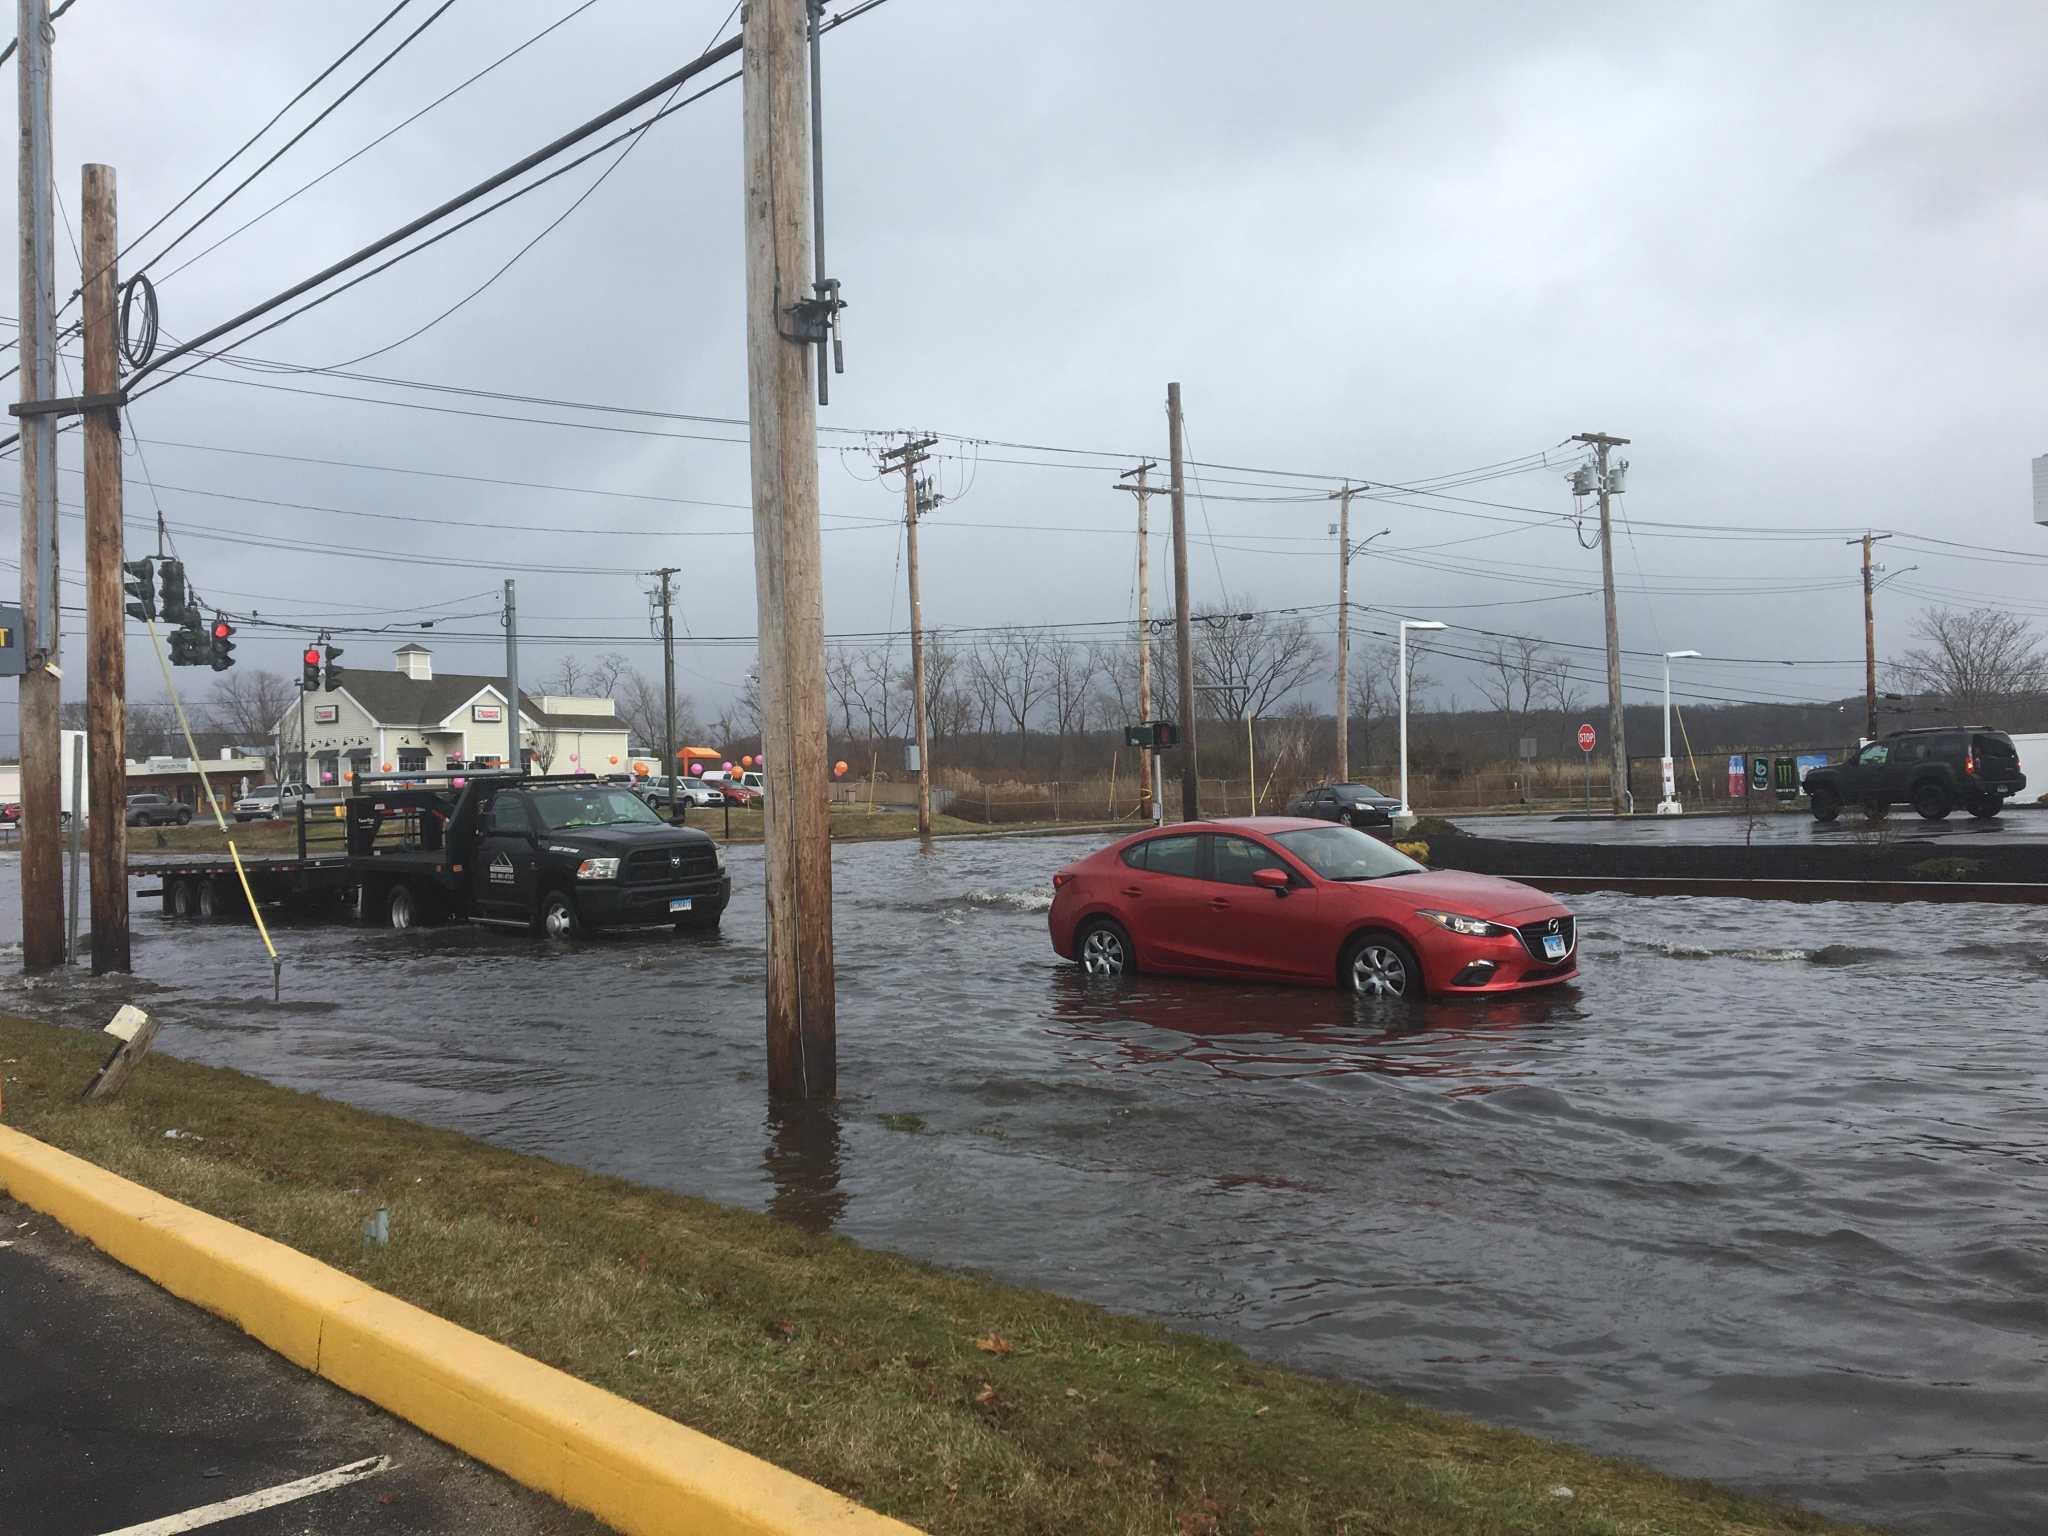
<point x="1345" y="853"/>
<point x="599" y="806"/>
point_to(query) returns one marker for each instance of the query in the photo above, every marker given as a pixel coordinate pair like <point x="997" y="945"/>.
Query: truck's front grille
<point x="651" y="865"/>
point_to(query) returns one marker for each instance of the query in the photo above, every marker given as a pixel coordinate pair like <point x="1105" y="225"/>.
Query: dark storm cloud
<point x="1789" y="252"/>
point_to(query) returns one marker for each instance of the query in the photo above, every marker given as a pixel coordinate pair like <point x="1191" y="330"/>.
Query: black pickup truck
<point x="559" y="856"/>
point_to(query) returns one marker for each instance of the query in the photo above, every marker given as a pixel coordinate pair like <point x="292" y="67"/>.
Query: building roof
<point x="392" y="698"/>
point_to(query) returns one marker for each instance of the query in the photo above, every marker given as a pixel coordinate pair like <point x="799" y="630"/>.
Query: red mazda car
<point x="1288" y="899"/>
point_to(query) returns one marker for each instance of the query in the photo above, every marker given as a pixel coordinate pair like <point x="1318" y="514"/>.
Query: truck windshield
<point x="561" y="809"/>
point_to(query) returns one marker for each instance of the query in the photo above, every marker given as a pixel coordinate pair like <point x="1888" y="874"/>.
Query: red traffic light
<point x="312" y="656"/>
<point x="222" y="629"/>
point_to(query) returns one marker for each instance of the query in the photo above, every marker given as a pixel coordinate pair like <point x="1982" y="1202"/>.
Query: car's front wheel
<point x="558" y="919"/>
<point x="1932" y="801"/>
<point x="1380" y="965"/>
<point x="1104" y="950"/>
<point x="1825" y="802"/>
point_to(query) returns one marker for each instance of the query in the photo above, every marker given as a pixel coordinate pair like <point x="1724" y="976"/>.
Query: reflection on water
<point x="1290" y="1032"/>
<point x="1758" y="1198"/>
<point x="802" y="1162"/>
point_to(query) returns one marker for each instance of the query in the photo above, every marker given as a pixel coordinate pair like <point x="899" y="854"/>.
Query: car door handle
<point x="1218" y="904"/>
<point x="1134" y="890"/>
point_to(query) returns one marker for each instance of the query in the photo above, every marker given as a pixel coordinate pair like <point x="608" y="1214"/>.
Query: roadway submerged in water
<point x="1759" y="1199"/>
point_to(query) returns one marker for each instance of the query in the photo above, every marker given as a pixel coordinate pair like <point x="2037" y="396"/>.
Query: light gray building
<point x="413" y="720"/>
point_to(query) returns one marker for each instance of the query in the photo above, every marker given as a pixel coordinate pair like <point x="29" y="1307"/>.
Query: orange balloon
<point x="350" y="775"/>
<point x="639" y="770"/>
<point x="747" y="762"/>
<point x="387" y="767"/>
<point x="615" y="759"/>
<point x="839" y="767"/>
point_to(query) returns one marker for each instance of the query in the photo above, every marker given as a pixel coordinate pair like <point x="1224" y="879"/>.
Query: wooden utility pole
<point x="1869" y="636"/>
<point x="106" y="678"/>
<point x="42" y="868"/>
<point x="1183" y="624"/>
<point x="917" y="498"/>
<point x="1617" y="745"/>
<point x="802" y="1014"/>
<point x="515" y="758"/>
<point x="671" y="767"/>
<point x="1345" y="554"/>
<point x="1144" y="491"/>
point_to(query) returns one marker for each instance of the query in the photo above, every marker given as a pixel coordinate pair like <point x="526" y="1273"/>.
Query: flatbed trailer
<point x="412" y="852"/>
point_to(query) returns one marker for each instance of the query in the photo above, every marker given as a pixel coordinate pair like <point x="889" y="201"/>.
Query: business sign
<point x="1759" y="772"/>
<point x="326" y="714"/>
<point x="1808" y="761"/>
<point x="487" y="714"/>
<point x="13" y="654"/>
<point x="1738" y="776"/>
<point x="1586" y="738"/>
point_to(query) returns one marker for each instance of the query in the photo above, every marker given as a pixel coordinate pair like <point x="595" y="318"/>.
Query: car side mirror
<point x="1274" y="880"/>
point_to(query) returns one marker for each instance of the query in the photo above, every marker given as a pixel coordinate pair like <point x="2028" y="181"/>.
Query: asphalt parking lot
<point x="124" y="1410"/>
<point x="1785" y="828"/>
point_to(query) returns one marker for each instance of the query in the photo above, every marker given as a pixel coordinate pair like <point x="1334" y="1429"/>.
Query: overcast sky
<point x="1793" y="253"/>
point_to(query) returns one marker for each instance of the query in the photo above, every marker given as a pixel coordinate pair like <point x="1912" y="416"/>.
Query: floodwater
<point x="1764" y="1198"/>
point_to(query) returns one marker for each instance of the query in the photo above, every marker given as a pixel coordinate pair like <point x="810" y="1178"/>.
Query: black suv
<point x="157" y="811"/>
<point x="1357" y="805"/>
<point x="1934" y="771"/>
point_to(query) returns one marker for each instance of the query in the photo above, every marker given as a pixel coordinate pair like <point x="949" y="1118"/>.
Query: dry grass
<point x="958" y="1404"/>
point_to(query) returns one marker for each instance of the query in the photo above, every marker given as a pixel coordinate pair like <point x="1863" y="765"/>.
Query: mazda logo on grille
<point x="1553" y="928"/>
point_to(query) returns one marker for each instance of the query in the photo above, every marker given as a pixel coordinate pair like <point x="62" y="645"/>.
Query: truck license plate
<point x="1553" y="946"/>
<point x="680" y="903"/>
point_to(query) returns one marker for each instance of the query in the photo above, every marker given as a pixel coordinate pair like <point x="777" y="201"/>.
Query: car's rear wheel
<point x="1104" y="950"/>
<point x="184" y="817"/>
<point x="1984" y="807"/>
<point x="1380" y="965"/>
<point x="1825" y="803"/>
<point x="1876" y="808"/>
<point x="1933" y="801"/>
<point x="558" y="918"/>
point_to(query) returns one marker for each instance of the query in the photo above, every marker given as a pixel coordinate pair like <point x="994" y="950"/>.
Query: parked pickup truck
<point x="559" y="856"/>
<point x="271" y="802"/>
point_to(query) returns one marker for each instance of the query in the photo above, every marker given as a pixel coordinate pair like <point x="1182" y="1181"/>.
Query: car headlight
<point x="598" y="869"/>
<point x="1471" y="927"/>
<point x="718" y="854"/>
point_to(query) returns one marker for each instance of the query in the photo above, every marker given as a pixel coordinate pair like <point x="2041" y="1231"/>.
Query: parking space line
<point x="249" y="1503"/>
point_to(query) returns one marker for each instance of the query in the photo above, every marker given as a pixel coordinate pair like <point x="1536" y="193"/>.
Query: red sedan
<point x="1288" y="899"/>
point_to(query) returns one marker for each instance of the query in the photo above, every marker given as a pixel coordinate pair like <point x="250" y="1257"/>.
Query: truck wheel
<point x="1933" y="801"/>
<point x="177" y="898"/>
<point x="208" y="899"/>
<point x="404" y="907"/>
<point x="1825" y="803"/>
<point x="558" y="919"/>
<point x="1876" y="808"/>
<point x="1984" y="807"/>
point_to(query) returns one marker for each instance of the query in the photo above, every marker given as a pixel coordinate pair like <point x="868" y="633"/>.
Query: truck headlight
<point x="598" y="869"/>
<point x="1471" y="927"/>
<point x="718" y="854"/>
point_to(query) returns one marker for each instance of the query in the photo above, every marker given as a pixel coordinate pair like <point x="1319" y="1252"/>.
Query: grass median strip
<point x="947" y="1400"/>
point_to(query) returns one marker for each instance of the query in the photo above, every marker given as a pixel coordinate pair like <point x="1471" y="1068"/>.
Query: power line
<point x="388" y="133"/>
<point x="15" y="42"/>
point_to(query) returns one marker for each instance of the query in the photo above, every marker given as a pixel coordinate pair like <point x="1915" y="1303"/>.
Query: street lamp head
<point x="1678" y="655"/>
<point x="1424" y="624"/>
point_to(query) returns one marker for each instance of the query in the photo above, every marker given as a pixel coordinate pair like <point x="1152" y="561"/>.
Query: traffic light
<point x="309" y="674"/>
<point x="1164" y="734"/>
<point x="177" y="603"/>
<point x="187" y="647"/>
<point x="222" y="654"/>
<point x="333" y="670"/>
<point x="139" y="582"/>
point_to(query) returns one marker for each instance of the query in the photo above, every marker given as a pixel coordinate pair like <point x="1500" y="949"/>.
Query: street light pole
<point x="1407" y="816"/>
<point x="1669" y="805"/>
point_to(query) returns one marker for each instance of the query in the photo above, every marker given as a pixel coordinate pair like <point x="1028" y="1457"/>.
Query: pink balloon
<point x="458" y="783"/>
<point x="696" y="770"/>
<point x="573" y="758"/>
<point x="728" y="767"/>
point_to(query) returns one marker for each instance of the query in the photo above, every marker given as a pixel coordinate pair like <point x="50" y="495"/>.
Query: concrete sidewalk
<point x="120" y="1405"/>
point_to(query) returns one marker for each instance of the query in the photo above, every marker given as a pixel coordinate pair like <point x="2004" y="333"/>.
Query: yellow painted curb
<point x="637" y="1471"/>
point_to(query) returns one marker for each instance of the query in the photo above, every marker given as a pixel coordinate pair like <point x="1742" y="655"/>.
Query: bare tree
<point x="1975" y="662"/>
<point x="248" y="705"/>
<point x="640" y="708"/>
<point x="878" y="688"/>
<point x="1114" y="664"/>
<point x="598" y="677"/>
<point x="1249" y="664"/>
<point x="540" y="745"/>
<point x="843" y="683"/>
<point x="1069" y="675"/>
<point x="1515" y="670"/>
<point x="946" y="704"/>
<point x="1012" y="663"/>
<point x="1564" y="693"/>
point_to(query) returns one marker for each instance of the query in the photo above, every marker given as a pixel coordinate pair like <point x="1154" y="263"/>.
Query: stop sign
<point x="1586" y="738"/>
